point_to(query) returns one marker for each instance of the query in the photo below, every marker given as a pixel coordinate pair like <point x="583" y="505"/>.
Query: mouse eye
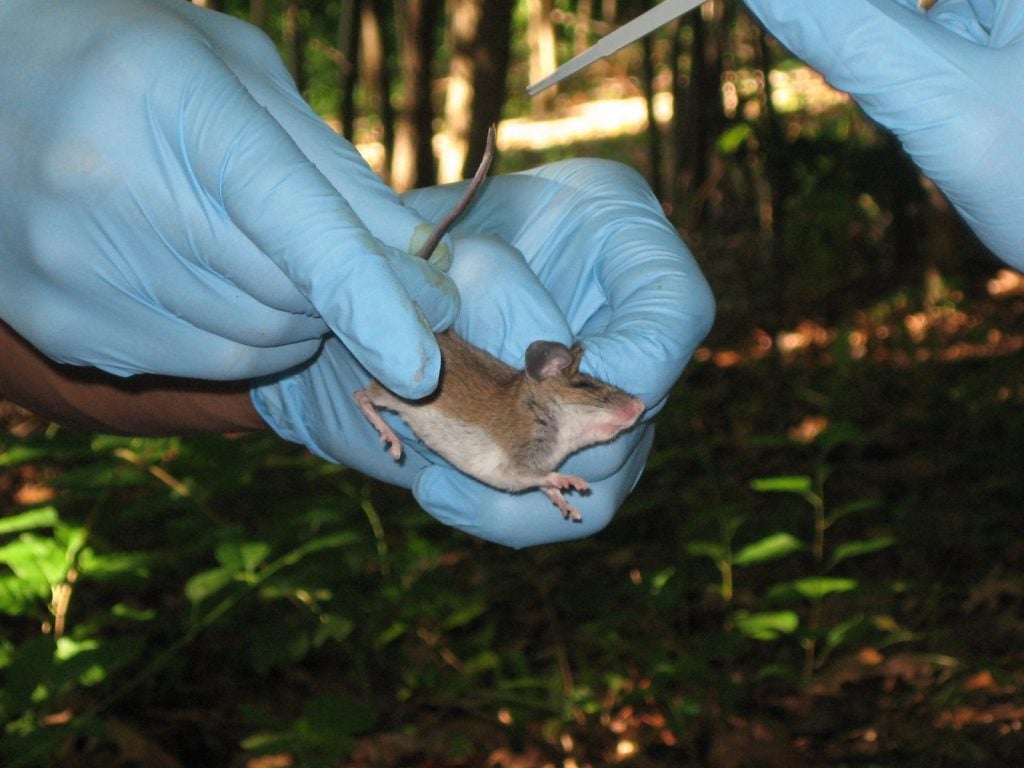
<point x="583" y="384"/>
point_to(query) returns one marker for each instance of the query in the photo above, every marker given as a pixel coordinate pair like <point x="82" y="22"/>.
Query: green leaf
<point x="733" y="138"/>
<point x="328" y="541"/>
<point x="773" y="547"/>
<point x="97" y="565"/>
<point x="35" y="559"/>
<point x="28" y="671"/>
<point x="131" y="613"/>
<point x="817" y="587"/>
<point x="661" y="578"/>
<point x="90" y="662"/>
<point x="848" y="632"/>
<point x="93" y="478"/>
<point x="245" y="556"/>
<point x="783" y="484"/>
<point x="850" y="549"/>
<point x="322" y="735"/>
<point x="465" y="614"/>
<point x="711" y="549"/>
<point x="767" y="625"/>
<point x="253" y="554"/>
<point x="19" y="597"/>
<point x="392" y="633"/>
<point x="861" y="505"/>
<point x="204" y="584"/>
<point x="22" y="454"/>
<point x="333" y="628"/>
<point x="43" y="517"/>
<point x="484" y="661"/>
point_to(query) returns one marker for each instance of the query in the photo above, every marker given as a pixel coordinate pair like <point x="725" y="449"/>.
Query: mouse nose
<point x="630" y="411"/>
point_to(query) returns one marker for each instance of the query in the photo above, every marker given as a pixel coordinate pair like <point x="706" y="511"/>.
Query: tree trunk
<point x="413" y="164"/>
<point x="677" y="131"/>
<point x="777" y="170"/>
<point x="480" y="40"/>
<point x="348" y="65"/>
<point x="581" y="34"/>
<point x="464" y="20"/>
<point x="294" y="44"/>
<point x="492" y="52"/>
<point x="258" y="13"/>
<point x="540" y="36"/>
<point x="653" y="131"/>
<point x="378" y="50"/>
<point x="702" y="115"/>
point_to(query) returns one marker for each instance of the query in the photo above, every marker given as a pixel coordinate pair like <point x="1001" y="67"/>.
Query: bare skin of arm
<point x="89" y="399"/>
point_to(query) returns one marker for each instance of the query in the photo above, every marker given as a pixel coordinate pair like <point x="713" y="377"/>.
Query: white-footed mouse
<point x="509" y="429"/>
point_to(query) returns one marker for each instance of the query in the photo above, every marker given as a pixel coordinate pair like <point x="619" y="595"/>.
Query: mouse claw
<point x="565" y="482"/>
<point x="569" y="512"/>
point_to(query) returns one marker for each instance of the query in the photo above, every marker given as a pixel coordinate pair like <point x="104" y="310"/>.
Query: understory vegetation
<point x="823" y="564"/>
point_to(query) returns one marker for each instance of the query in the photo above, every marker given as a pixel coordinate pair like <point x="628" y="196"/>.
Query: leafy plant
<point x="794" y="607"/>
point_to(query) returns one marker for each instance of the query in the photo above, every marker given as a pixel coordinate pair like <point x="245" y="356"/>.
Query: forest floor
<point x="625" y="650"/>
<point x="823" y="564"/>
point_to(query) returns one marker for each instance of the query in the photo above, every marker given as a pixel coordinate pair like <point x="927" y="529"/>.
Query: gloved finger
<point x="159" y="349"/>
<point x="255" y="61"/>
<point x="649" y="306"/>
<point x="251" y="167"/>
<point x="90" y="269"/>
<point x="528" y="518"/>
<point x="432" y="290"/>
<point x="505" y="308"/>
<point x="987" y="22"/>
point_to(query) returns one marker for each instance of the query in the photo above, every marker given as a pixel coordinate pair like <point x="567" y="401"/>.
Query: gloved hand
<point x="601" y="265"/>
<point x="169" y="204"/>
<point x="946" y="82"/>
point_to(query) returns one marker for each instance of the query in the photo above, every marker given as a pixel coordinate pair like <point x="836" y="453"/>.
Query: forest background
<point x="821" y="566"/>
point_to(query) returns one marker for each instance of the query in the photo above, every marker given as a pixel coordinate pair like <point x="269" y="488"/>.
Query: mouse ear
<point x="545" y="359"/>
<point x="577" y="354"/>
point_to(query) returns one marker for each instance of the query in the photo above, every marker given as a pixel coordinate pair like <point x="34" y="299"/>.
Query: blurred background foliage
<point x="821" y="566"/>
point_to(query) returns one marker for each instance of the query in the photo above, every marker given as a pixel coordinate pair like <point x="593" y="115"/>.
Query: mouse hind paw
<point x="387" y="434"/>
<point x="555" y="483"/>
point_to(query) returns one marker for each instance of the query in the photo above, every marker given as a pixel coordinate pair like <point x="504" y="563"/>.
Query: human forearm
<point x="87" y="398"/>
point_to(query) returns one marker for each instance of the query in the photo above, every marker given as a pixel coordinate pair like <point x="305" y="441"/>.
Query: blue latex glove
<point x="948" y="83"/>
<point x="578" y="249"/>
<point x="169" y="204"/>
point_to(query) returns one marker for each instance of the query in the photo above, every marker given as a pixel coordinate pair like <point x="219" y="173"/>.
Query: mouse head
<point x="585" y="406"/>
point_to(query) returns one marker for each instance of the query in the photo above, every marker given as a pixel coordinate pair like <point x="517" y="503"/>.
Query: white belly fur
<point x="468" y="447"/>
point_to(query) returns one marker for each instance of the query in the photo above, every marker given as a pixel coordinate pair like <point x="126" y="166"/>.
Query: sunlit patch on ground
<point x="898" y="333"/>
